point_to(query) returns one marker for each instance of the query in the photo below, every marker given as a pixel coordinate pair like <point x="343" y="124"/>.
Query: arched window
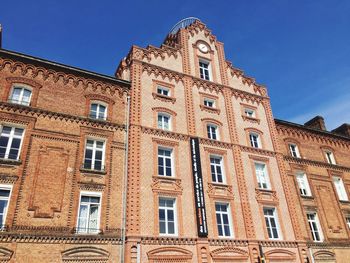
<point x="98" y="110"/>
<point x="20" y="95"/>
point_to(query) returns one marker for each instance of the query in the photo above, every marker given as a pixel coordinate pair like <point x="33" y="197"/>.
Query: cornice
<point x="168" y="241"/>
<point x="215" y="143"/>
<point x="257" y="151"/>
<point x="50" y="74"/>
<point x="163" y="72"/>
<point x="167" y="134"/>
<point x="302" y="161"/>
<point x="312" y="135"/>
<point x="197" y="27"/>
<point x="161" y="52"/>
<point x="329" y="245"/>
<point x="37" y="112"/>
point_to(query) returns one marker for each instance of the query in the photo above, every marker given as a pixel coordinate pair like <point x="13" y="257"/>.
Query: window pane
<point x="162" y="227"/>
<point x="4" y="141"/>
<point x="171" y="228"/>
<point x="4" y="192"/>
<point x="161" y="214"/>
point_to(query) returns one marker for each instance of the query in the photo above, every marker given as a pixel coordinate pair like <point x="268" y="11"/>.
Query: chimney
<point x="343" y="129"/>
<point x="316" y="123"/>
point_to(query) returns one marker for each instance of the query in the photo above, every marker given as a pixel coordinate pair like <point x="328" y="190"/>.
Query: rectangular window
<point x="94" y="155"/>
<point x="209" y="103"/>
<point x="303" y="184"/>
<point x="10" y="142"/>
<point x="164" y="121"/>
<point x="254" y="140"/>
<point x="223" y="219"/>
<point x="163" y="91"/>
<point x="216" y="169"/>
<point x="330" y="157"/>
<point x="294" y="151"/>
<point x="204" y="70"/>
<point x="212" y="131"/>
<point x="98" y="111"/>
<point x="4" y="200"/>
<point x="262" y="176"/>
<point x="340" y="188"/>
<point x="271" y="222"/>
<point x="89" y="214"/>
<point x="165" y="162"/>
<point x="314" y="227"/>
<point x="20" y="95"/>
<point x="167" y="216"/>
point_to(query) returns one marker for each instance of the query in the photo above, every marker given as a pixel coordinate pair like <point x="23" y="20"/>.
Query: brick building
<point x="62" y="150"/>
<point x="210" y="176"/>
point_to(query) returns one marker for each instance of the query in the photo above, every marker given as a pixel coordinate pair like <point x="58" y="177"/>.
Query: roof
<point x="62" y="67"/>
<point x="300" y="126"/>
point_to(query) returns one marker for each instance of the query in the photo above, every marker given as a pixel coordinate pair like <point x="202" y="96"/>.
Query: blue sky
<point x="299" y="49"/>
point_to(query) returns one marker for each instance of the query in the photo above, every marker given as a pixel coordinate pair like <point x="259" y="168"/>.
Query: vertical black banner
<point x="198" y="188"/>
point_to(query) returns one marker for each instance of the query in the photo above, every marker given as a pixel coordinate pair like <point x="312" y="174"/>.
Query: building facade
<point x="62" y="162"/>
<point x="176" y="159"/>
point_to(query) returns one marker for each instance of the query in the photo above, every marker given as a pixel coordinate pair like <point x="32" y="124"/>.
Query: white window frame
<point x="174" y="209"/>
<point x="330" y="157"/>
<point x="207" y="101"/>
<point x="20" y="100"/>
<point x="99" y="104"/>
<point x="213" y="130"/>
<point x="303" y="184"/>
<point x="249" y="112"/>
<point x="172" y="168"/>
<point x="221" y="214"/>
<point x="262" y="177"/>
<point x="340" y="188"/>
<point x="347" y="219"/>
<point x="164" y="115"/>
<point x="11" y="137"/>
<point x="215" y="166"/>
<point x="161" y="90"/>
<point x="254" y="139"/>
<point x="312" y="226"/>
<point x="90" y="194"/>
<point x="269" y="219"/>
<point x="203" y="70"/>
<point x="94" y="149"/>
<point x="294" y="150"/>
<point x="9" y="188"/>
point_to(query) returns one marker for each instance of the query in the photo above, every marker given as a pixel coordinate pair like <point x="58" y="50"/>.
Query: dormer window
<point x="98" y="111"/>
<point x="20" y="95"/>
<point x="209" y="103"/>
<point x="204" y="69"/>
<point x="163" y="91"/>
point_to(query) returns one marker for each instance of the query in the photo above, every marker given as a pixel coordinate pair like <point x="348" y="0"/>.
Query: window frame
<point x="98" y="103"/>
<point x="221" y="165"/>
<point x="8" y="187"/>
<point x="174" y="209"/>
<point x="11" y="137"/>
<point x="172" y="167"/>
<point x="90" y="194"/>
<point x="162" y="115"/>
<point x="207" y="100"/>
<point x="296" y="152"/>
<point x="303" y="177"/>
<point x="202" y="75"/>
<point x="329" y="155"/>
<point x="340" y="190"/>
<point x="95" y="140"/>
<point x="162" y="88"/>
<point x="251" y="134"/>
<point x="266" y="176"/>
<point x="22" y="87"/>
<point x="210" y="133"/>
<point x="276" y="219"/>
<point x="229" y="216"/>
<point x="318" y="225"/>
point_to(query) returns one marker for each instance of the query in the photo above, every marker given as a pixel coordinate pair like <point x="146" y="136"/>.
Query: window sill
<point x="209" y="109"/>
<point x="90" y="171"/>
<point x="264" y="190"/>
<point x="10" y="162"/>
<point x="163" y="97"/>
<point x="308" y="197"/>
<point x="345" y="202"/>
<point x="251" y="119"/>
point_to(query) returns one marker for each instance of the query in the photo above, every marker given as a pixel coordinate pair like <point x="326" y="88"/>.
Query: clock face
<point x="203" y="47"/>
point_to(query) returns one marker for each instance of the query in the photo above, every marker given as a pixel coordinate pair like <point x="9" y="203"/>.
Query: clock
<point x="203" y="47"/>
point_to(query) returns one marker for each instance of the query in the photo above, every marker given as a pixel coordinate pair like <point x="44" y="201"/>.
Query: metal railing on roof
<point x="182" y="24"/>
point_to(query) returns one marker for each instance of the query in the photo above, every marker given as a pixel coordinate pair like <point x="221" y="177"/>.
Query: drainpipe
<point x="125" y="179"/>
